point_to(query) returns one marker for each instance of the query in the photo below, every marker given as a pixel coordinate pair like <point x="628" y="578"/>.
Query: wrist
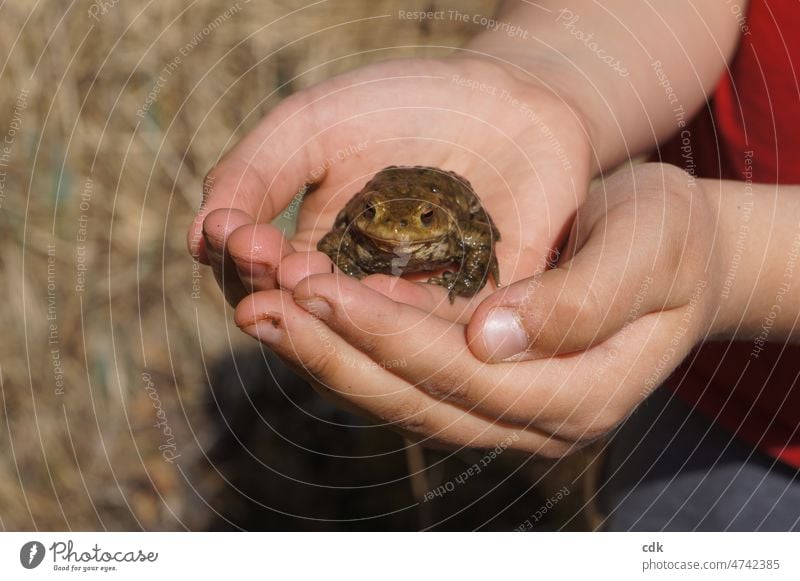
<point x="758" y="244"/>
<point x="723" y="263"/>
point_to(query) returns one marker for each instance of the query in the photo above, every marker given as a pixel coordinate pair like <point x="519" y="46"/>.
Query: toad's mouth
<point x="401" y="245"/>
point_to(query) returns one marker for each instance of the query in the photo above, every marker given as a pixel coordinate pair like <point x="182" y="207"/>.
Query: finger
<point x="300" y="265"/>
<point x="570" y="398"/>
<point x="337" y="401"/>
<point x="231" y="184"/>
<point x="620" y="273"/>
<point x="439" y="360"/>
<point x="620" y="373"/>
<point x="413" y="289"/>
<point x="298" y="336"/>
<point x="257" y="250"/>
<point x="427" y="297"/>
<point x="325" y="392"/>
<point x="217" y="228"/>
<point x="262" y="173"/>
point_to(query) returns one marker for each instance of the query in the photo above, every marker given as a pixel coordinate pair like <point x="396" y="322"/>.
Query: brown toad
<point x="416" y="219"/>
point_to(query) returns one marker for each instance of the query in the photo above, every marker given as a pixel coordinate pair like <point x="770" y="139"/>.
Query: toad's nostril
<point x="403" y="223"/>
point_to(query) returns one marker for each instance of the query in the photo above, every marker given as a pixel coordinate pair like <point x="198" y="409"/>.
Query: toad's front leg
<point x="339" y="247"/>
<point x="479" y="260"/>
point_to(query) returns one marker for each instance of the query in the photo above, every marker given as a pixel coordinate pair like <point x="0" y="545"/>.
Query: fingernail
<point x="267" y="330"/>
<point x="317" y="306"/>
<point x="503" y="334"/>
<point x="211" y="247"/>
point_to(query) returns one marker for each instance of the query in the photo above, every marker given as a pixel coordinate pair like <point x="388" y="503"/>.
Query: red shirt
<point x="751" y="129"/>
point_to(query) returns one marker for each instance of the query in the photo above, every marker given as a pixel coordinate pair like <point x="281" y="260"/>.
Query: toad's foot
<point x="336" y="246"/>
<point x="460" y="284"/>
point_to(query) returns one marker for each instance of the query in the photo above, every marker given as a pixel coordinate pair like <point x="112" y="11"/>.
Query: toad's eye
<point x="369" y="210"/>
<point x="426" y="218"/>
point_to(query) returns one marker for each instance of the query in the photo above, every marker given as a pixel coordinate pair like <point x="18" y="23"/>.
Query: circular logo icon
<point x="31" y="554"/>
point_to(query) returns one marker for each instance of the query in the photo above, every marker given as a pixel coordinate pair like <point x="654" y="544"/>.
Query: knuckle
<point x="676" y="180"/>
<point x="322" y="364"/>
<point x="379" y="325"/>
<point x="576" y="311"/>
<point x="587" y="304"/>
<point x="365" y="342"/>
<point x="405" y="413"/>
<point x="447" y="384"/>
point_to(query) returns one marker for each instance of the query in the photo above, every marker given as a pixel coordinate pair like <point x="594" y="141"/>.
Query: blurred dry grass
<point x="90" y="189"/>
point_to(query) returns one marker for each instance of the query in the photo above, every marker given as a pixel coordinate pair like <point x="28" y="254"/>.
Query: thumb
<point x="570" y="308"/>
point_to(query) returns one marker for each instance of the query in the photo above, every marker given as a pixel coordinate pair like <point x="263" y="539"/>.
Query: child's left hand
<point x="581" y="345"/>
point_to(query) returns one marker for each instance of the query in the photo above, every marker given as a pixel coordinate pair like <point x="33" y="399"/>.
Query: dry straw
<point x="112" y="111"/>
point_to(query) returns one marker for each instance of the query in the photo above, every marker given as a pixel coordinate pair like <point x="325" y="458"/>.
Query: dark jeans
<point x="670" y="469"/>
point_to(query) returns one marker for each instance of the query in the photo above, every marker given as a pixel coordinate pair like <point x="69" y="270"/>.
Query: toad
<point x="416" y="219"/>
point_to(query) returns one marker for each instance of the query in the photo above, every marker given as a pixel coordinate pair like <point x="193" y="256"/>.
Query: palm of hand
<point x="374" y="118"/>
